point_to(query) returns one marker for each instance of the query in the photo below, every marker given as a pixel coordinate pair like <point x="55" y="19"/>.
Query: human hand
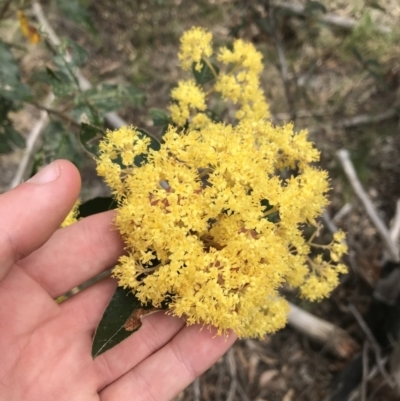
<point x="45" y="347"/>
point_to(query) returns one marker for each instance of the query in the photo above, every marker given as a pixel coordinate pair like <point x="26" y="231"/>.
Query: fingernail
<point x="46" y="175"/>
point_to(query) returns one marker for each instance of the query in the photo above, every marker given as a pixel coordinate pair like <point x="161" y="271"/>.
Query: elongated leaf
<point x="97" y="205"/>
<point x="205" y="74"/>
<point x="90" y="136"/>
<point x="79" y="54"/>
<point x="160" y="118"/>
<point x="9" y="71"/>
<point x="14" y="136"/>
<point x="4" y="145"/>
<point x="16" y="92"/>
<point x="74" y="11"/>
<point x="314" y="7"/>
<point x="120" y="319"/>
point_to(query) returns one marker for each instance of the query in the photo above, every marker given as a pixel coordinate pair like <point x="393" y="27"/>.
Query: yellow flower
<point x="189" y="97"/>
<point x="195" y="44"/>
<point x="213" y="222"/>
<point x="72" y="215"/>
<point x="198" y="234"/>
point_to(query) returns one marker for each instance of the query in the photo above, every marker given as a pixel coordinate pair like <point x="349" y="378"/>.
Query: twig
<point x="328" y="222"/>
<point x="366" y="119"/>
<point x="57" y="113"/>
<point x="364" y="371"/>
<point x="337" y="340"/>
<point x="375" y="346"/>
<point x="395" y="229"/>
<point x="304" y="114"/>
<point x="372" y="374"/>
<point x="282" y="63"/>
<point x="112" y="119"/>
<point x="5" y="8"/>
<point x="348" y="167"/>
<point x="196" y="390"/>
<point x="31" y="142"/>
<point x="344" y="211"/>
<point x="346" y="23"/>
<point x="230" y="360"/>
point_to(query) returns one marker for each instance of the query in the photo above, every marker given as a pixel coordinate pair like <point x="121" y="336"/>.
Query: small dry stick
<point x="395" y="229"/>
<point x="113" y="119"/>
<point x="372" y="374"/>
<point x="282" y="63"/>
<point x="337" y="340"/>
<point x="331" y="19"/>
<point x="230" y="360"/>
<point x="348" y="167"/>
<point x="196" y="390"/>
<point x="344" y="211"/>
<point x="375" y="346"/>
<point x="363" y="119"/>
<point x="364" y="371"/>
<point x="31" y="144"/>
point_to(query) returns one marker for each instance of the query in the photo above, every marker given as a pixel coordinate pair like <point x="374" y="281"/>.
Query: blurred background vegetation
<point x="71" y="69"/>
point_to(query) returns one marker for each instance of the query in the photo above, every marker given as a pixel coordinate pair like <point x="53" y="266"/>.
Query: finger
<point x="84" y="312"/>
<point x="31" y="212"/>
<point x="75" y="254"/>
<point x="167" y="372"/>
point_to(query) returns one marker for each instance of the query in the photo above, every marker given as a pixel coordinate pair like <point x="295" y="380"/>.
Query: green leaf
<point x="5" y="147"/>
<point x="133" y="95"/>
<point x="15" y="92"/>
<point x="120" y="319"/>
<point x="9" y="71"/>
<point x="78" y="54"/>
<point x="61" y="82"/>
<point x="74" y="11"/>
<point x="97" y="205"/>
<point x="90" y="137"/>
<point x="314" y="7"/>
<point x="60" y="143"/>
<point x="375" y="5"/>
<point x="160" y="118"/>
<point x="205" y="74"/>
<point x="106" y="98"/>
<point x="14" y="136"/>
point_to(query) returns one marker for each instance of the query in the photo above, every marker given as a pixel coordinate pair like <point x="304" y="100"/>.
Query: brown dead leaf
<point x="266" y="377"/>
<point x="135" y="320"/>
<point x="289" y="395"/>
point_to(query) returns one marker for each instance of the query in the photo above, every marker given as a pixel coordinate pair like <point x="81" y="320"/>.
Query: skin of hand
<point x="45" y="347"/>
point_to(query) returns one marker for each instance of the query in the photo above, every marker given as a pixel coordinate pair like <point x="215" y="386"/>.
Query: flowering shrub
<point x="214" y="220"/>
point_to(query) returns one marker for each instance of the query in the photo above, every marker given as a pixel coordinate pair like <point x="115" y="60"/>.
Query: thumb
<point x="31" y="212"/>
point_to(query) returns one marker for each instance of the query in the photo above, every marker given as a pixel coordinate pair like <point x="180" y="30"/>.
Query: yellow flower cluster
<point x="189" y="97"/>
<point x="213" y="221"/>
<point x="195" y="45"/>
<point x="238" y="82"/>
<point x="72" y="215"/>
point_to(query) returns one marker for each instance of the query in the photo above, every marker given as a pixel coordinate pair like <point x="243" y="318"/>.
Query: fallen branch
<point x="395" y="229"/>
<point x="374" y="344"/>
<point x="31" y="145"/>
<point x="344" y="211"/>
<point x="112" y="119"/>
<point x="346" y="23"/>
<point x="337" y="340"/>
<point x="363" y="119"/>
<point x="282" y="64"/>
<point x="392" y="249"/>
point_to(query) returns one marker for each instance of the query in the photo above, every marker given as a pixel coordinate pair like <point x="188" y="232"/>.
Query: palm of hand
<point x="45" y="346"/>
